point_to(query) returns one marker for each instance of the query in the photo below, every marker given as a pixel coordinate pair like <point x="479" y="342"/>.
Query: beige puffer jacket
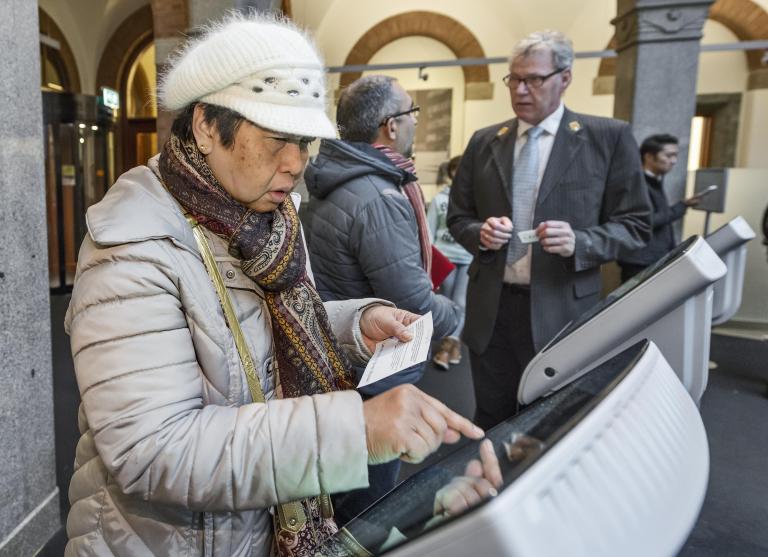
<point x="174" y="459"/>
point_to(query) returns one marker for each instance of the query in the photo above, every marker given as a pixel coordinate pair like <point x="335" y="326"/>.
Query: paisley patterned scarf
<point x="272" y="254"/>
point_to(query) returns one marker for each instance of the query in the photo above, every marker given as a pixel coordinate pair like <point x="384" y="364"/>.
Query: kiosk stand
<point x="615" y="463"/>
<point x="669" y="303"/>
<point x="729" y="242"/>
<point x="713" y="201"/>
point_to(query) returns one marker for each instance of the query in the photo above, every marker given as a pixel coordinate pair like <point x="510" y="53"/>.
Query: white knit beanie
<point x="264" y="69"/>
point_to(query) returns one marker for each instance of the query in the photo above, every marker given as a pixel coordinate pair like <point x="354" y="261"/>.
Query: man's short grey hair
<point x="363" y="105"/>
<point x="556" y="42"/>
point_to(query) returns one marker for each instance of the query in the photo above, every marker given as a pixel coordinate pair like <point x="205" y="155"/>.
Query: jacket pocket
<point x="587" y="285"/>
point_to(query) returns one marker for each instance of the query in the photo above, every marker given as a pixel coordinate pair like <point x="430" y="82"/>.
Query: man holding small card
<point x="541" y="201"/>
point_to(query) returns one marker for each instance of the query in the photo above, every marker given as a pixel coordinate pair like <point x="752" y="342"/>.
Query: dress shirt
<point x="519" y="272"/>
<point x="652" y="175"/>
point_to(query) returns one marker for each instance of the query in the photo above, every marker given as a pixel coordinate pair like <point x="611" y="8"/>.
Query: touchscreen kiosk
<point x="615" y="463"/>
<point x="730" y="244"/>
<point x="669" y="302"/>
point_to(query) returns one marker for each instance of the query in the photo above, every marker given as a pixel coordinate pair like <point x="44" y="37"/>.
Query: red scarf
<point x="412" y="191"/>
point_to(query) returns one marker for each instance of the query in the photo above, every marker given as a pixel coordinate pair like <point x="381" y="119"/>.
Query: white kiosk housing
<point x="729" y="242"/>
<point x="669" y="303"/>
<point x="615" y="463"/>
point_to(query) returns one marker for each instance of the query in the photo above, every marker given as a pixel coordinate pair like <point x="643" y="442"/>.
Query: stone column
<point x="656" y="70"/>
<point x="29" y="498"/>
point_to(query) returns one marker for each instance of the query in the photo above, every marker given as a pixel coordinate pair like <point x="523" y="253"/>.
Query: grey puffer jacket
<point x="175" y="458"/>
<point x="362" y="235"/>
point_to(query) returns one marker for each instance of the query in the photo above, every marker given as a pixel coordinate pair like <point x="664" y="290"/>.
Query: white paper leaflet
<point x="392" y="356"/>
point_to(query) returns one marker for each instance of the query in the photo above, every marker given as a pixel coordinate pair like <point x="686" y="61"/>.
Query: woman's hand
<point x="480" y="481"/>
<point x="406" y="423"/>
<point x="380" y="322"/>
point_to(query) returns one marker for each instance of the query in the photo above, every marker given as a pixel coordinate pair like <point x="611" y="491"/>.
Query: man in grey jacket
<point x="363" y="229"/>
<point x="365" y="223"/>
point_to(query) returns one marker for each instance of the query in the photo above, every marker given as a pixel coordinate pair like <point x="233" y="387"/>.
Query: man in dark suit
<point x="659" y="155"/>
<point x="541" y="201"/>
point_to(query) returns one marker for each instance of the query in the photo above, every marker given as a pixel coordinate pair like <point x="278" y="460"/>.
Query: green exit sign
<point x="110" y="98"/>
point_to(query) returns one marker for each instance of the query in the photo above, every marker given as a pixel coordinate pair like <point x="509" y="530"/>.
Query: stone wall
<point x="29" y="499"/>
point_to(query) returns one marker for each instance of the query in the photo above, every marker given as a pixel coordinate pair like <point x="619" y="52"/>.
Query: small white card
<point x="528" y="236"/>
<point x="392" y="356"/>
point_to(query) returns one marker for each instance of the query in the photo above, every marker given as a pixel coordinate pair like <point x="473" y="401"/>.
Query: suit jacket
<point x="593" y="180"/>
<point x="663" y="235"/>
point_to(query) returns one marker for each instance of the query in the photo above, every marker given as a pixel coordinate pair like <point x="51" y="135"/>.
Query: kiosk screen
<point x="408" y="511"/>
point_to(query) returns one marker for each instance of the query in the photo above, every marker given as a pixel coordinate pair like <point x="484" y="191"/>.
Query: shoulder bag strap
<point x="291" y="515"/>
<point x="254" y="386"/>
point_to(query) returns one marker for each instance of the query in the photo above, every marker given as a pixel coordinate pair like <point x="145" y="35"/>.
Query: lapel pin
<point x="574" y="126"/>
<point x="502" y="131"/>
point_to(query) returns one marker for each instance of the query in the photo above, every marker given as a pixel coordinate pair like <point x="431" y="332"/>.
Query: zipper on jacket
<point x="207" y="519"/>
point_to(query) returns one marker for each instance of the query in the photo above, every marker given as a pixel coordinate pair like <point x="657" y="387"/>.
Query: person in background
<point x="366" y="228"/>
<point x="186" y="444"/>
<point x="455" y="285"/>
<point x="541" y="201"/>
<point x="658" y="154"/>
<point x="765" y="229"/>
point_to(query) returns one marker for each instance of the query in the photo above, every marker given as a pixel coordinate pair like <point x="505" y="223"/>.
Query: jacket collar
<point x="503" y="149"/>
<point x="138" y="208"/>
<point x="569" y="139"/>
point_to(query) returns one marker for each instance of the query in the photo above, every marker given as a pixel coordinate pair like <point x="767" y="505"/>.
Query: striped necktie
<point x="524" y="180"/>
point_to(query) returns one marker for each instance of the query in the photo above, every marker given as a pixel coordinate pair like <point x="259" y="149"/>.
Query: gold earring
<point x="203" y="149"/>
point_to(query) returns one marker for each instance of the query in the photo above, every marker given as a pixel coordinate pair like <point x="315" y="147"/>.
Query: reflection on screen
<point x="409" y="510"/>
<point x="622" y="290"/>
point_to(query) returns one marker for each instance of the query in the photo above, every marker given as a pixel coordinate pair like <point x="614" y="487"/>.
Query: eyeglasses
<point x="413" y="110"/>
<point x="531" y="82"/>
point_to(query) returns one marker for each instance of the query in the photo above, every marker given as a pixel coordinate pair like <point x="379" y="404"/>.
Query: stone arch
<point x="128" y="40"/>
<point x="442" y="28"/>
<point x="747" y="20"/>
<point x="71" y="74"/>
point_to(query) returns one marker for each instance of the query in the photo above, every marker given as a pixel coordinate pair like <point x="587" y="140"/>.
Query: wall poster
<point x="433" y="134"/>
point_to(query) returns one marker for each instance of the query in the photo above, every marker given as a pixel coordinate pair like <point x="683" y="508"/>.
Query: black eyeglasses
<point x="413" y="110"/>
<point x="531" y="82"/>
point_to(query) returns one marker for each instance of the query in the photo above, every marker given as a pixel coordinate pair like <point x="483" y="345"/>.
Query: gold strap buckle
<point x="291" y="516"/>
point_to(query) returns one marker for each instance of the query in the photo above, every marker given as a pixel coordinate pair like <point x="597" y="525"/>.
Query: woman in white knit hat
<point x="215" y="384"/>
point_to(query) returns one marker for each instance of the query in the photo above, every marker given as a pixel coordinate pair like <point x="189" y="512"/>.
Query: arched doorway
<point x="139" y="118"/>
<point x="64" y="144"/>
<point x="460" y="40"/>
<point x="126" y="58"/>
<point x="58" y="69"/>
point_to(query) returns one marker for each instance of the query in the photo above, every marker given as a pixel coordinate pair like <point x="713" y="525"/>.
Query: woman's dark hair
<point x="227" y="122"/>
<point x="453" y="166"/>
